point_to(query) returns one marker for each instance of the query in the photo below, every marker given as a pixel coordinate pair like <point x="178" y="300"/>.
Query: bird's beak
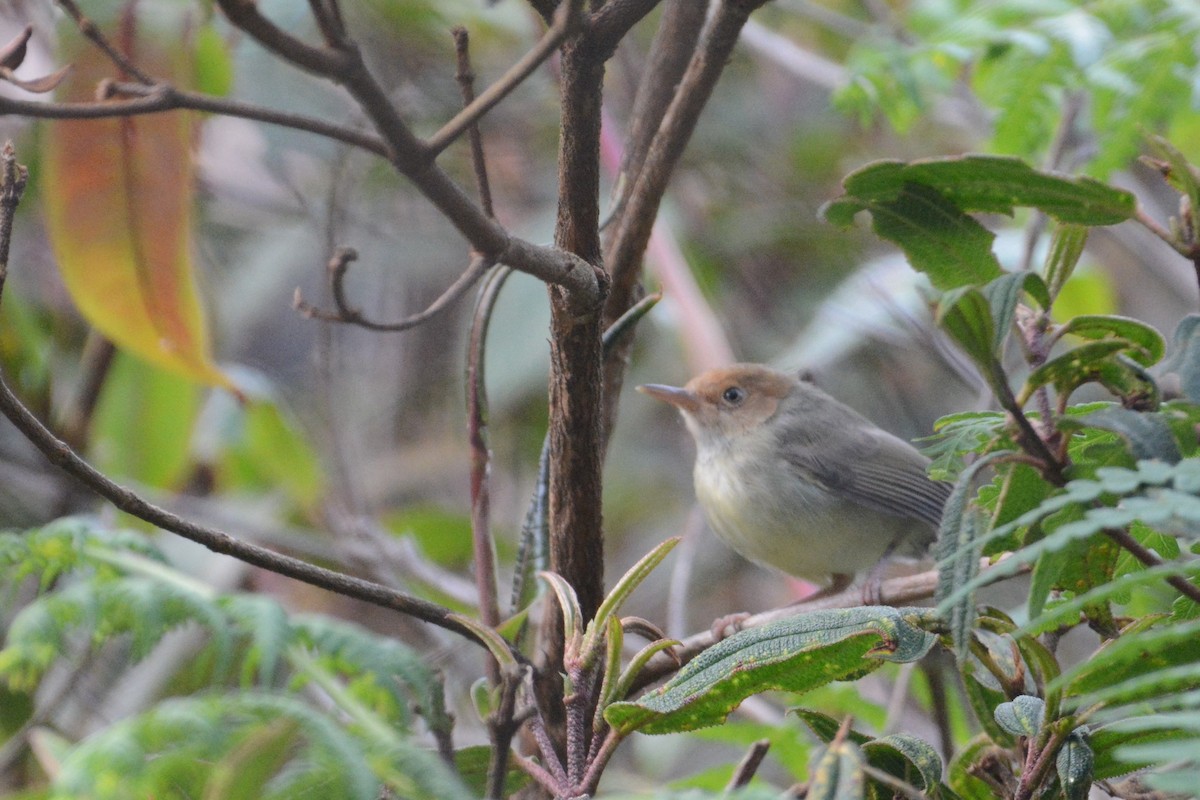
<point x="681" y="398"/>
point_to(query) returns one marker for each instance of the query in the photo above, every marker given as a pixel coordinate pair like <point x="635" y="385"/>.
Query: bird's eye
<point x="734" y="395"/>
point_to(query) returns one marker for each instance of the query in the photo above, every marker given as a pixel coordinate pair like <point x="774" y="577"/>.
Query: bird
<point x="795" y="480"/>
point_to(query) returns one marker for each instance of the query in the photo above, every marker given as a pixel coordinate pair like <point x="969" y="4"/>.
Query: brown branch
<point x="329" y="20"/>
<point x="14" y="177"/>
<point x="415" y="161"/>
<point x="465" y="76"/>
<point x="707" y="63"/>
<point x="566" y="21"/>
<point x="160" y="98"/>
<point x="609" y="24"/>
<point x="339" y="264"/>
<point x="675" y="41"/>
<point x="97" y="37"/>
<point x="749" y="765"/>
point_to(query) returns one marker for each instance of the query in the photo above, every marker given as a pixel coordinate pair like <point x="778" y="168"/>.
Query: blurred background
<point x="355" y="451"/>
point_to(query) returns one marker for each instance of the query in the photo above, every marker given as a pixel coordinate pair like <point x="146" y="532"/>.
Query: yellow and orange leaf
<point x="119" y="196"/>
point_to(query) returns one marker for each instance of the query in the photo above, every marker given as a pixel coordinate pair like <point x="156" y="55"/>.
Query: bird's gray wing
<point x="888" y="474"/>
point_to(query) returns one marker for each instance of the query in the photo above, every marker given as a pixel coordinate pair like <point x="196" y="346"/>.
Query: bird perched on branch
<point x="793" y="479"/>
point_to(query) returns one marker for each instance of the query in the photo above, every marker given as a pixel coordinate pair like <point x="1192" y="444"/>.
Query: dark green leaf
<point x="1004" y="293"/>
<point x="960" y="774"/>
<point x="1075" y="764"/>
<point x="1096" y="362"/>
<point x="995" y="184"/>
<point x="795" y="654"/>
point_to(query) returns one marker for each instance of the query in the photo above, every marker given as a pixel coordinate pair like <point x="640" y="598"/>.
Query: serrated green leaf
<point x="1022" y="716"/>
<point x="1112" y="740"/>
<point x="1094" y="362"/>
<point x="957" y="553"/>
<point x="794" y="654"/>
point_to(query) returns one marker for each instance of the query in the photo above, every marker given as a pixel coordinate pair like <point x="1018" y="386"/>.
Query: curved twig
<point x="339" y="264"/>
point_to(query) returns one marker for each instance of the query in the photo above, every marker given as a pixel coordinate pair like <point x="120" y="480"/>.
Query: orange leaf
<point x="119" y="204"/>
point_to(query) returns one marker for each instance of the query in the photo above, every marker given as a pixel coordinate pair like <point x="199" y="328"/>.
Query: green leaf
<point x="471" y="764"/>
<point x="1147" y="344"/>
<point x="1147" y="435"/>
<point x="1184" y="360"/>
<point x="1004" y="293"/>
<point x="1066" y="246"/>
<point x="1104" y="362"/>
<point x="1075" y="764"/>
<point x="957" y="553"/>
<point x="994" y="184"/>
<point x="1133" y="654"/>
<point x="837" y="773"/>
<point x="938" y="239"/>
<point x="906" y="757"/>
<point x="142" y="428"/>
<point x="795" y="654"/>
<point x="967" y="316"/>
<point x="1110" y="744"/>
<point x="619" y="594"/>
<point x="1022" y="716"/>
<point x="961" y="773"/>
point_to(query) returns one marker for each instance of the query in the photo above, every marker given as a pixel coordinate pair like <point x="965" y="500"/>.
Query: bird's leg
<point x="872" y="588"/>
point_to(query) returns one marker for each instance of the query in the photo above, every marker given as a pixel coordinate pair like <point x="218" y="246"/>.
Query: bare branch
<point x="614" y="19"/>
<point x="97" y="37"/>
<point x="566" y="20"/>
<point x="159" y="98"/>
<point x="339" y="264"/>
<point x="465" y="76"/>
<point x="749" y="765"/>
<point x="329" y="19"/>
<point x="244" y="14"/>
<point x="720" y="35"/>
<point x="413" y="158"/>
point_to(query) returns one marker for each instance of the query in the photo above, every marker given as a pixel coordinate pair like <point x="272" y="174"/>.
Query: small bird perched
<point x="793" y="479"/>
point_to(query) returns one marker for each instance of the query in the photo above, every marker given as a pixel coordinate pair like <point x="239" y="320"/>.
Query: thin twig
<point x="748" y="766"/>
<point x="539" y="774"/>
<point x="595" y="769"/>
<point x="339" y="264"/>
<point x="566" y="20"/>
<point x="160" y="97"/>
<point x="14" y="177"/>
<point x="93" y="33"/>
<point x="484" y="546"/>
<point x="465" y="76"/>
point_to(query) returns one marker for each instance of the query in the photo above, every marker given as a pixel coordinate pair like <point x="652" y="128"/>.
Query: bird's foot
<point x="728" y="625"/>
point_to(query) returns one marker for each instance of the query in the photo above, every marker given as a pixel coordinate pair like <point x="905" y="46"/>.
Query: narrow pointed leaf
<point x="620" y="593"/>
